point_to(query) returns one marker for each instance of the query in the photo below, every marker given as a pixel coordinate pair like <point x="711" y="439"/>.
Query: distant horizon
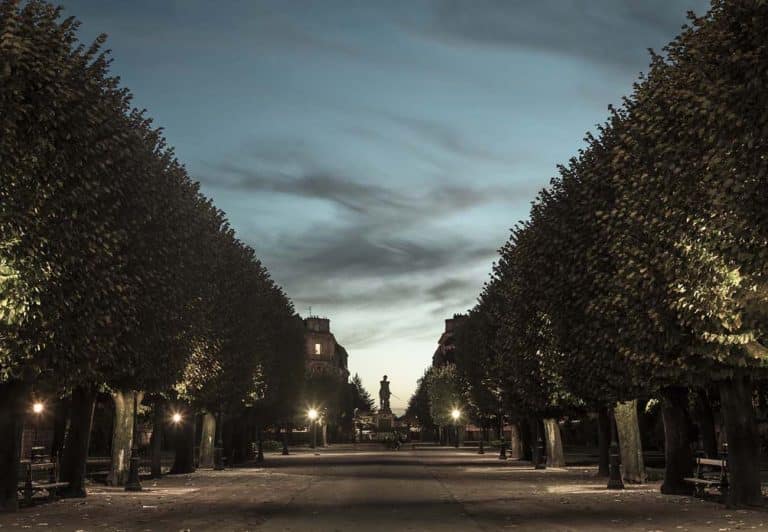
<point x="375" y="155"/>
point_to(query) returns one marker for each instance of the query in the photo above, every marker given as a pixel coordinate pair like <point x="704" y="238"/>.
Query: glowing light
<point x="312" y="414"/>
<point x="38" y="408"/>
<point x="176" y="418"/>
<point x="456" y="414"/>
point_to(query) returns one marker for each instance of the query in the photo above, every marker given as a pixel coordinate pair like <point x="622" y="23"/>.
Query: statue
<point x="384" y="394"/>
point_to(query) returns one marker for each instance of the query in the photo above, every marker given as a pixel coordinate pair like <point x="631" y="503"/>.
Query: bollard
<point x="285" y="445"/>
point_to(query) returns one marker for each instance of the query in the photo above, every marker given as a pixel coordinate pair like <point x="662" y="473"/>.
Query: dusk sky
<point x="376" y="154"/>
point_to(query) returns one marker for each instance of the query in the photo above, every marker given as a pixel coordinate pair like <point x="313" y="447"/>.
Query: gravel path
<point x="383" y="490"/>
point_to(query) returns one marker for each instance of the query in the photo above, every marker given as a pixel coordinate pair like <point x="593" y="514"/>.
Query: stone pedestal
<point x="385" y="421"/>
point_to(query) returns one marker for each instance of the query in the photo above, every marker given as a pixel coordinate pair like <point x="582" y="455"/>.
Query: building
<point x="446" y="344"/>
<point x="324" y="354"/>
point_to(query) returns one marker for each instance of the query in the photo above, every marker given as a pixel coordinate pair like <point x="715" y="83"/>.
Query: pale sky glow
<point x="376" y="154"/>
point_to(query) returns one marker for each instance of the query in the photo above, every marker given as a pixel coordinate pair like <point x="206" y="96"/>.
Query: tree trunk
<point x="184" y="445"/>
<point x="60" y="421"/>
<point x="525" y="440"/>
<point x="630" y="444"/>
<point x="678" y="458"/>
<point x="515" y="443"/>
<point x="241" y="437"/>
<point x="554" y="441"/>
<point x="705" y="419"/>
<point x="74" y="454"/>
<point x="604" y="442"/>
<point x="743" y="441"/>
<point x="13" y="395"/>
<point x="533" y="425"/>
<point x="156" y="443"/>
<point x="227" y="436"/>
<point x="122" y="435"/>
<point x="325" y="435"/>
<point x="208" y="442"/>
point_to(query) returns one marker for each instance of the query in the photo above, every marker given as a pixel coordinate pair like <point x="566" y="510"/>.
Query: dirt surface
<point x="347" y="489"/>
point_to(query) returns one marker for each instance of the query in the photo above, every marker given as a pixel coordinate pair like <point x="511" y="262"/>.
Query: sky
<point x="376" y="154"/>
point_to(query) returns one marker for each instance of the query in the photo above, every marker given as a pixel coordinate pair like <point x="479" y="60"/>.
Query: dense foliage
<point x="641" y="270"/>
<point x="115" y="271"/>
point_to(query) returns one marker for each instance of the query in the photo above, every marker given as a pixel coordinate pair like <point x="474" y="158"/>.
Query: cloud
<point x="366" y="198"/>
<point x="450" y="289"/>
<point x="380" y="232"/>
<point x="360" y="251"/>
<point x="448" y="139"/>
<point x="590" y="30"/>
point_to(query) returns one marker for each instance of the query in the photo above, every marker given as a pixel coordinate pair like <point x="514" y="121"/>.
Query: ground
<point x="369" y="489"/>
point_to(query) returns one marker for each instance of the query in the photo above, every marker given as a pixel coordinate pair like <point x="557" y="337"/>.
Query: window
<point x="317" y="349"/>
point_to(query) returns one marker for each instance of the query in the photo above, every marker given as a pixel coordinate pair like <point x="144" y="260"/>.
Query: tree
<point x="446" y="392"/>
<point x="63" y="302"/>
<point x="476" y="361"/>
<point x="363" y="401"/>
<point x="116" y="273"/>
<point x="419" y="410"/>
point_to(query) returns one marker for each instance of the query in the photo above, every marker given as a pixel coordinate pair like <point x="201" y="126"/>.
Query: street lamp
<point x="176" y="418"/>
<point x="615" y="481"/>
<point x="456" y="414"/>
<point x="133" y="483"/>
<point x="37" y="409"/>
<point x="218" y="446"/>
<point x="312" y="414"/>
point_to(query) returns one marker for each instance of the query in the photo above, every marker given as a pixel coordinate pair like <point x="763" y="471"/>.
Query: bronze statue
<point x="384" y="394"/>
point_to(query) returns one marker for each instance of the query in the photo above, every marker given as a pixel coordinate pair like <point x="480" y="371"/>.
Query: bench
<point x="710" y="473"/>
<point x="39" y="476"/>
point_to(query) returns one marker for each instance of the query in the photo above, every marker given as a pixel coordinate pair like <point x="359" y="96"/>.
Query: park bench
<point x="39" y="474"/>
<point x="710" y="473"/>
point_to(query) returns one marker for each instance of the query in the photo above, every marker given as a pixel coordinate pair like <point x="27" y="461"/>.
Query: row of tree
<point x="116" y="273"/>
<point x="641" y="271"/>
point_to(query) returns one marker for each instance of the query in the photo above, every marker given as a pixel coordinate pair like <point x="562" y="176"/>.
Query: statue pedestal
<point x="385" y="421"/>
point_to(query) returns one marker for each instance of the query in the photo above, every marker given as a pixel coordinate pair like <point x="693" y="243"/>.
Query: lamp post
<point x="312" y="415"/>
<point x="218" y="447"/>
<point x="502" y="443"/>
<point x="133" y="483"/>
<point x="614" y="480"/>
<point x="540" y="460"/>
<point x="456" y="414"/>
<point x="260" y="447"/>
<point x="37" y="409"/>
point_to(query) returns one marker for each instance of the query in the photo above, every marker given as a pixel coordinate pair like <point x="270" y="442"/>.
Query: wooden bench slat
<point x="702" y="481"/>
<point x="49" y="485"/>
<point x="711" y="462"/>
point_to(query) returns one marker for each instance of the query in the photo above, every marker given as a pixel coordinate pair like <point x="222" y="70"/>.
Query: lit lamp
<point x="176" y="418"/>
<point x="313" y="415"/>
<point x="37" y="409"/>
<point x="456" y="414"/>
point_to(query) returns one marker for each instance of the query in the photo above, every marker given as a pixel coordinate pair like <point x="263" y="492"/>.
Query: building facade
<point x="324" y="354"/>
<point x="446" y="344"/>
